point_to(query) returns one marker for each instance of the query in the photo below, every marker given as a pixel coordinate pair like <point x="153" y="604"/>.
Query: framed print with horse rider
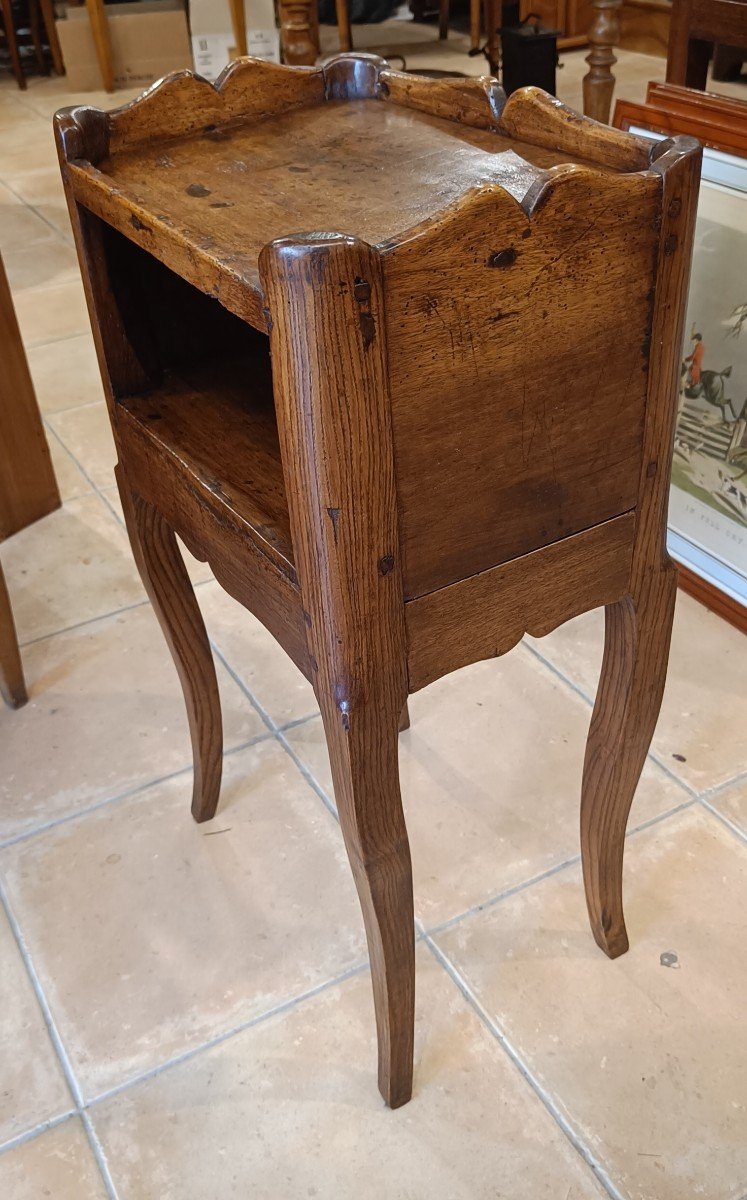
<point x="708" y="500"/>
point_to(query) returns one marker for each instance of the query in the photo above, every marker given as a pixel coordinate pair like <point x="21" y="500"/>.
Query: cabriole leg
<point x="362" y="745"/>
<point x="636" y="649"/>
<point x="168" y="585"/>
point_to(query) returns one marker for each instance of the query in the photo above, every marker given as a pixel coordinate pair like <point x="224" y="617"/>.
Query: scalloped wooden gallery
<point x="398" y="357"/>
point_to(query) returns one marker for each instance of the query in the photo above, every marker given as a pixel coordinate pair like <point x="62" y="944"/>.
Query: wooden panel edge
<point x="486" y="615"/>
<point x="171" y="247"/>
<point x="711" y="597"/>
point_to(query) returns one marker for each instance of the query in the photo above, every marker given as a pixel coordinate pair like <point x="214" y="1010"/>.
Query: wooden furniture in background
<point x="599" y="82"/>
<point x="442" y="420"/>
<point x="717" y="121"/>
<point x="41" y="18"/>
<point x="696" y="26"/>
<point x="28" y="489"/>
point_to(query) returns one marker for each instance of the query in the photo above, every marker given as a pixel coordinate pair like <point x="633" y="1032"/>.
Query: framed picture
<point x="708" y="500"/>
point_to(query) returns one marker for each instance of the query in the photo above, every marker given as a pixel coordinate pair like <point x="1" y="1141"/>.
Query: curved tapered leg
<point x="168" y="585"/>
<point x="365" y="772"/>
<point x="12" y="685"/>
<point x="636" y="649"/>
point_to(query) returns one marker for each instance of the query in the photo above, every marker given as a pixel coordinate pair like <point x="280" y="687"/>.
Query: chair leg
<point x="168" y="585"/>
<point x="10" y="37"/>
<point x="53" y="40"/>
<point x="12" y="685"/>
<point x="443" y="19"/>
<point x="344" y="32"/>
<point x="363" y="750"/>
<point x="475" y="14"/>
<point x="636" y="648"/>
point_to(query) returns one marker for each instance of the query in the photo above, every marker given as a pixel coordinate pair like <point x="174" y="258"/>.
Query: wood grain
<point x="531" y="594"/>
<point x="167" y="583"/>
<point x="638" y="627"/>
<point x="28" y="489"/>
<point x="488" y="308"/>
<point x="328" y="341"/>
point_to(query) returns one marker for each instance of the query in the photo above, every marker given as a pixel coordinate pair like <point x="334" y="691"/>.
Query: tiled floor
<point x="185" y="1011"/>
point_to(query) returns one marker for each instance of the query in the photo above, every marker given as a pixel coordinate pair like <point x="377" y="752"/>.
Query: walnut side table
<point x="398" y="358"/>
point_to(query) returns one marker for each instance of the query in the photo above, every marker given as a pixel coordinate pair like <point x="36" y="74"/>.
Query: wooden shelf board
<point x="215" y="427"/>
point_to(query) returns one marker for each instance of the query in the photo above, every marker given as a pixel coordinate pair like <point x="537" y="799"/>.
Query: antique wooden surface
<point x="473" y="309"/>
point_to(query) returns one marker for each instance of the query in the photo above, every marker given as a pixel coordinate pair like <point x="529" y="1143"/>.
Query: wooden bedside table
<point x="399" y="359"/>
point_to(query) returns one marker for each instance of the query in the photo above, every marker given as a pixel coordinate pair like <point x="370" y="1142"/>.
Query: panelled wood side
<point x="519" y="344"/>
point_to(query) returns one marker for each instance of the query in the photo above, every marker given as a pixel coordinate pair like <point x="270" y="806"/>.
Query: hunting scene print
<point x="708" y="504"/>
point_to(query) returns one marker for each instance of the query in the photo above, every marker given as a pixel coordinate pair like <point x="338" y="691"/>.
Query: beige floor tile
<point x="647" y="1062"/>
<point x="58" y="1164"/>
<point x="290" y="1109"/>
<point x="152" y="934"/>
<point x="44" y="192"/>
<point x="66" y="373"/>
<point x="491" y="776"/>
<point x="87" y="434"/>
<point x="19" y="225"/>
<point x="105" y="714"/>
<point x="46" y="264"/>
<point x="32" y="1086"/>
<point x="256" y="657"/>
<point x="46" y="314"/>
<point x="732" y="804"/>
<point x="28" y="146"/>
<point x="70" y="479"/>
<point x="73" y="566"/>
<point x="199" y="572"/>
<point x="700" y="734"/>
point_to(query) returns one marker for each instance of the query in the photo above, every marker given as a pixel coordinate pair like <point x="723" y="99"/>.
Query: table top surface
<point x="233" y="178"/>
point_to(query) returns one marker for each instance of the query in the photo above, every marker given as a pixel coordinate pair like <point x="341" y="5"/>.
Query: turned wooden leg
<point x="168" y="585"/>
<point x="299" y="35"/>
<point x="12" y="685"/>
<point x="365" y="770"/>
<point x="599" y="82"/>
<point x="475" y="13"/>
<point x="636" y="649"/>
<point x="344" y="31"/>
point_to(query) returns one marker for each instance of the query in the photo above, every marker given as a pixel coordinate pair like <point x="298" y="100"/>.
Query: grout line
<point x="65" y="337"/>
<point x="730" y="825"/>
<point x="42" y="637"/>
<point x="27" y="204"/>
<point x="312" y="782"/>
<point x="135" y="790"/>
<point x="99" y="1154"/>
<point x="717" y="790"/>
<point x="579" y="691"/>
<point x="258" y="1019"/>
<point x="294" y="724"/>
<point x="49" y="1020"/>
<point x="277" y="731"/>
<point x="541" y="1092"/>
<point x="21" y="1138"/>
<point x="514" y="890"/>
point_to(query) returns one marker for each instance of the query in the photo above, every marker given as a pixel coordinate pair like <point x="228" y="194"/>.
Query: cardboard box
<point x="213" y="43"/>
<point x="148" y="39"/>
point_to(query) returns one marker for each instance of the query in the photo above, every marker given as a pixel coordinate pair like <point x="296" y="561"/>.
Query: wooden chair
<point x="402" y="441"/>
<point x="28" y="489"/>
<point x="41" y="13"/>
<point x="695" y="27"/>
